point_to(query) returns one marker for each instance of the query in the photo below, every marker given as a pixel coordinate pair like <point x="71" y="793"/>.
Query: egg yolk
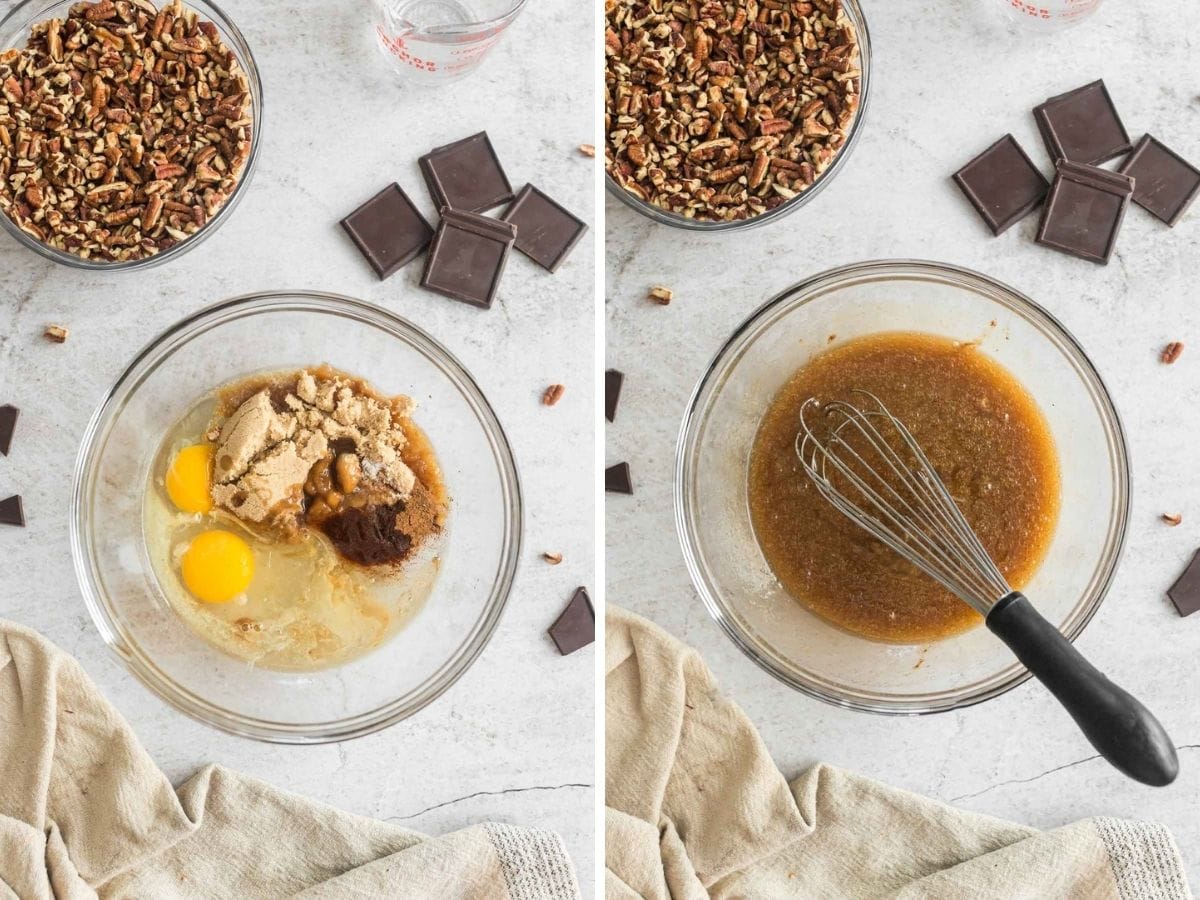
<point x="217" y="566"/>
<point x="189" y="479"/>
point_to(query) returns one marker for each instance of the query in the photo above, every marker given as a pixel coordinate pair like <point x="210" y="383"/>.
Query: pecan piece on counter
<point x="1171" y="352"/>
<point x="553" y="394"/>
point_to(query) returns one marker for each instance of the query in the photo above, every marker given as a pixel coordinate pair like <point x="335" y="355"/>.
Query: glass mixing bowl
<point x="713" y="517"/>
<point x="14" y="33"/>
<point x="665" y="217"/>
<point x="480" y="549"/>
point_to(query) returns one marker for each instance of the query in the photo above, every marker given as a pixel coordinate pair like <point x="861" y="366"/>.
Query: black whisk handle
<point x="1118" y="726"/>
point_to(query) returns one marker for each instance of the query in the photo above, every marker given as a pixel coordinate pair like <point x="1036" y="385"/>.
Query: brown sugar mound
<point x="319" y="448"/>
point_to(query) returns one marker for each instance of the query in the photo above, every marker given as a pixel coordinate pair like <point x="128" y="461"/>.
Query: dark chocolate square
<point x="613" y="381"/>
<point x="11" y="512"/>
<point x="1084" y="211"/>
<point x="1166" y="184"/>
<point x="8" y="424"/>
<point x="546" y="232"/>
<point x="1185" y="592"/>
<point x="1082" y="126"/>
<point x="1002" y="184"/>
<point x="466" y="175"/>
<point x="576" y="627"/>
<point x="617" y="479"/>
<point x="467" y="257"/>
<point x="388" y="230"/>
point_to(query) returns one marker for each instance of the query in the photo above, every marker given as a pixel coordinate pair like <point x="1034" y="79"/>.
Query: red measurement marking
<point x="1038" y="12"/>
<point x="1078" y="8"/>
<point x="399" y="49"/>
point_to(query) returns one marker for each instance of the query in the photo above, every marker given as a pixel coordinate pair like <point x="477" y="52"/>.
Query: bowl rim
<point x="453" y="34"/>
<point x="665" y="217"/>
<point x="143" y="668"/>
<point x="20" y="15"/>
<point x="804" y="292"/>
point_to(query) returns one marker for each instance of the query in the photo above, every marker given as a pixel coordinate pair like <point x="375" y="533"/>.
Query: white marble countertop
<point x="513" y="739"/>
<point x="948" y="81"/>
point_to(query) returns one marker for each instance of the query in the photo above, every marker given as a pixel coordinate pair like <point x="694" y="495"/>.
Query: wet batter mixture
<point x="986" y="438"/>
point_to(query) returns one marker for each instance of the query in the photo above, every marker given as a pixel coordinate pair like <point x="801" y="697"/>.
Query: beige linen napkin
<point x="697" y="809"/>
<point x="84" y="812"/>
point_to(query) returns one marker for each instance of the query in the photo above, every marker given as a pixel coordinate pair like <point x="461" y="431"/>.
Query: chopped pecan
<point x="98" y="12"/>
<point x="759" y="170"/>
<point x="726" y="174"/>
<point x="774" y="126"/>
<point x="150" y="217"/>
<point x="553" y="394"/>
<point x="1171" y="352"/>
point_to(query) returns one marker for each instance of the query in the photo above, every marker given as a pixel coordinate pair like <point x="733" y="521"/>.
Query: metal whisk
<point x="866" y="462"/>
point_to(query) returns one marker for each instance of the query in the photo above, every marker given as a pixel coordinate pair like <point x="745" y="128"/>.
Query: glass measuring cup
<point x="1049" y="15"/>
<point x="436" y="41"/>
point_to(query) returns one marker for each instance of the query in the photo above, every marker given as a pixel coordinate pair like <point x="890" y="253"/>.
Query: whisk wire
<point x="927" y="514"/>
<point x="894" y="525"/>
<point x="899" y="499"/>
<point x="935" y="498"/>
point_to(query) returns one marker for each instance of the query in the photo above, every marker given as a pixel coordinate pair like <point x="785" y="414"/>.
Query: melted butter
<point x="987" y="440"/>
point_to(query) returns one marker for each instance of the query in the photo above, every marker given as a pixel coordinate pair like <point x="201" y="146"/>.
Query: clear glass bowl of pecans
<point x="129" y="129"/>
<point x="736" y="118"/>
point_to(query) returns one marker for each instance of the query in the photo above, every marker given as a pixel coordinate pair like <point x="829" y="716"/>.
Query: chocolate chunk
<point x="576" y="627"/>
<point x="1002" y="184"/>
<point x="466" y="175"/>
<point x="1084" y="211"/>
<point x="1185" y="592"/>
<point x="368" y="536"/>
<point x="8" y="424"/>
<point x="388" y="230"/>
<point x="546" y="232"/>
<point x="467" y="257"/>
<point x="11" y="512"/>
<point x="617" y="480"/>
<point x="1082" y="126"/>
<point x="613" y="380"/>
<point x="1166" y="184"/>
